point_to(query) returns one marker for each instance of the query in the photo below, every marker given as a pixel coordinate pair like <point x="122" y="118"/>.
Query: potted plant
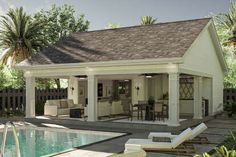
<point x="151" y="100"/>
<point x="165" y="96"/>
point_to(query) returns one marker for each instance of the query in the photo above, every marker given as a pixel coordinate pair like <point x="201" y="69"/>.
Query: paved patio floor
<point x="217" y="129"/>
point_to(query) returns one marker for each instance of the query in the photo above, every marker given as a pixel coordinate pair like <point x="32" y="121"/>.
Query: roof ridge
<point x="134" y="26"/>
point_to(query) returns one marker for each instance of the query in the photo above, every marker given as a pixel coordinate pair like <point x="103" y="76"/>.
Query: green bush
<point x="230" y="141"/>
<point x="230" y="108"/>
<point x="221" y="151"/>
<point x="226" y="150"/>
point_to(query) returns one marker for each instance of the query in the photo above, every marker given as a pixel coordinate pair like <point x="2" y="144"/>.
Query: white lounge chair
<point x="173" y="145"/>
<point x="195" y="138"/>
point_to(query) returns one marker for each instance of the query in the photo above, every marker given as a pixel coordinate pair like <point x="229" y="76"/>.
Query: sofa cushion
<point x="53" y="102"/>
<point x="63" y="104"/>
<point x="63" y="111"/>
<point x="71" y="103"/>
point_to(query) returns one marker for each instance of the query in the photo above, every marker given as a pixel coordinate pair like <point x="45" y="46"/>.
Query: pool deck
<point x="217" y="129"/>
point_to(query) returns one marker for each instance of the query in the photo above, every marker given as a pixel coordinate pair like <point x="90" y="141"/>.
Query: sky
<point x="126" y="12"/>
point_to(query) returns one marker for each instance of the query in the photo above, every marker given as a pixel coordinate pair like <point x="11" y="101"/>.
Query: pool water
<point x="36" y="142"/>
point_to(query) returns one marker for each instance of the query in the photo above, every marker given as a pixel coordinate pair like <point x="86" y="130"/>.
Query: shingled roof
<point x="163" y="40"/>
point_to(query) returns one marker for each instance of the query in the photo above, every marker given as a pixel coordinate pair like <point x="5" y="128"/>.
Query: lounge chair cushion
<point x="161" y="139"/>
<point x="198" y="130"/>
<point x="185" y="135"/>
<point x="160" y="134"/>
<point x="147" y="144"/>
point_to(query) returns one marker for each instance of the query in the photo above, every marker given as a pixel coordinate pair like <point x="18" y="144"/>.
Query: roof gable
<point x="163" y="40"/>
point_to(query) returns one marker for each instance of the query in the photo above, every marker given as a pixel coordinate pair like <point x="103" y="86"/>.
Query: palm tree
<point x="147" y="20"/>
<point x="20" y="36"/>
<point x="228" y="22"/>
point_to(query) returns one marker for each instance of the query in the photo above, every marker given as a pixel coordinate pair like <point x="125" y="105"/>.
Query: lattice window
<point x="186" y="89"/>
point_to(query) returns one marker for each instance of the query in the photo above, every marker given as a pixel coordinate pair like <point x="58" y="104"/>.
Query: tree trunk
<point x="57" y="81"/>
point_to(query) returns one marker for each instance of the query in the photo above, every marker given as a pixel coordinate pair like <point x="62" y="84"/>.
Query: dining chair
<point x="142" y="108"/>
<point x="165" y="112"/>
<point x="157" y="111"/>
<point x="132" y="110"/>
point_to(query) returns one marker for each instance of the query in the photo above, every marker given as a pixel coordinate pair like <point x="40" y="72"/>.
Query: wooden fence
<point x="14" y="99"/>
<point x="229" y="95"/>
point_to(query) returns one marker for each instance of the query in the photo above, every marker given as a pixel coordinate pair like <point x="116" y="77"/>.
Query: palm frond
<point x="19" y="33"/>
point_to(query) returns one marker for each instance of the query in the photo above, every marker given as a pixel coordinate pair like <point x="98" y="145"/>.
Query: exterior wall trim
<point x="103" y="64"/>
<point x="138" y="69"/>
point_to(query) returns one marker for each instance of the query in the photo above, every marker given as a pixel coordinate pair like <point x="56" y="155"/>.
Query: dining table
<point x="143" y="107"/>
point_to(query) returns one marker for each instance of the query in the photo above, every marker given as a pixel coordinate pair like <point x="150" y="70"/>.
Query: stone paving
<point x="217" y="129"/>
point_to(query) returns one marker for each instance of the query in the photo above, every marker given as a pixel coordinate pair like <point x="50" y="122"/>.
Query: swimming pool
<point x="39" y="141"/>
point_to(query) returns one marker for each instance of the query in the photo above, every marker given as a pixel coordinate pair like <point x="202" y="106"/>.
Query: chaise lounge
<point x="174" y="144"/>
<point x="195" y="138"/>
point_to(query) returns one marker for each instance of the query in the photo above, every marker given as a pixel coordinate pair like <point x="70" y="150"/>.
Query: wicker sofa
<point x="59" y="107"/>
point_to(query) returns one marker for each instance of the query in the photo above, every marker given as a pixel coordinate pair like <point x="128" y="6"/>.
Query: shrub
<point x="230" y="108"/>
<point x="230" y="141"/>
<point x="221" y="151"/>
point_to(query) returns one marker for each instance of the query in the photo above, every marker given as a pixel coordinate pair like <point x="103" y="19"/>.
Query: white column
<point x="197" y="109"/>
<point x="173" y="99"/>
<point x="73" y="89"/>
<point x="30" y="97"/>
<point x="92" y="98"/>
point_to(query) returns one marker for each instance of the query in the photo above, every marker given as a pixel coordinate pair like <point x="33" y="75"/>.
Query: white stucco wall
<point x="73" y="89"/>
<point x="141" y="94"/>
<point x="186" y="107"/>
<point x="107" y="87"/>
<point x="158" y="85"/>
<point x="155" y="87"/>
<point x="202" y="57"/>
<point x="83" y="85"/>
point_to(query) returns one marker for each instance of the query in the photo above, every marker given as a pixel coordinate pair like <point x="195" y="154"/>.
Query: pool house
<point x="178" y="67"/>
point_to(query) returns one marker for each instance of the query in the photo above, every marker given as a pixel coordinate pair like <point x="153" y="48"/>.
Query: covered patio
<point x="106" y="95"/>
<point x="110" y="69"/>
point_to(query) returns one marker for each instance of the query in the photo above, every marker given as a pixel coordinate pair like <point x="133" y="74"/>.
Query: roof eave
<point x="175" y="60"/>
<point x="218" y="47"/>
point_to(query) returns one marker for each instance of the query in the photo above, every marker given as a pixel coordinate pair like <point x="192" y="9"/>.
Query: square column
<point x="73" y="89"/>
<point x="30" y="97"/>
<point x="92" y="98"/>
<point x="173" y="99"/>
<point x="197" y="102"/>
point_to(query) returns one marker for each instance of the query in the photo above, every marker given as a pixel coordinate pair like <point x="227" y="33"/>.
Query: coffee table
<point x="76" y="113"/>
